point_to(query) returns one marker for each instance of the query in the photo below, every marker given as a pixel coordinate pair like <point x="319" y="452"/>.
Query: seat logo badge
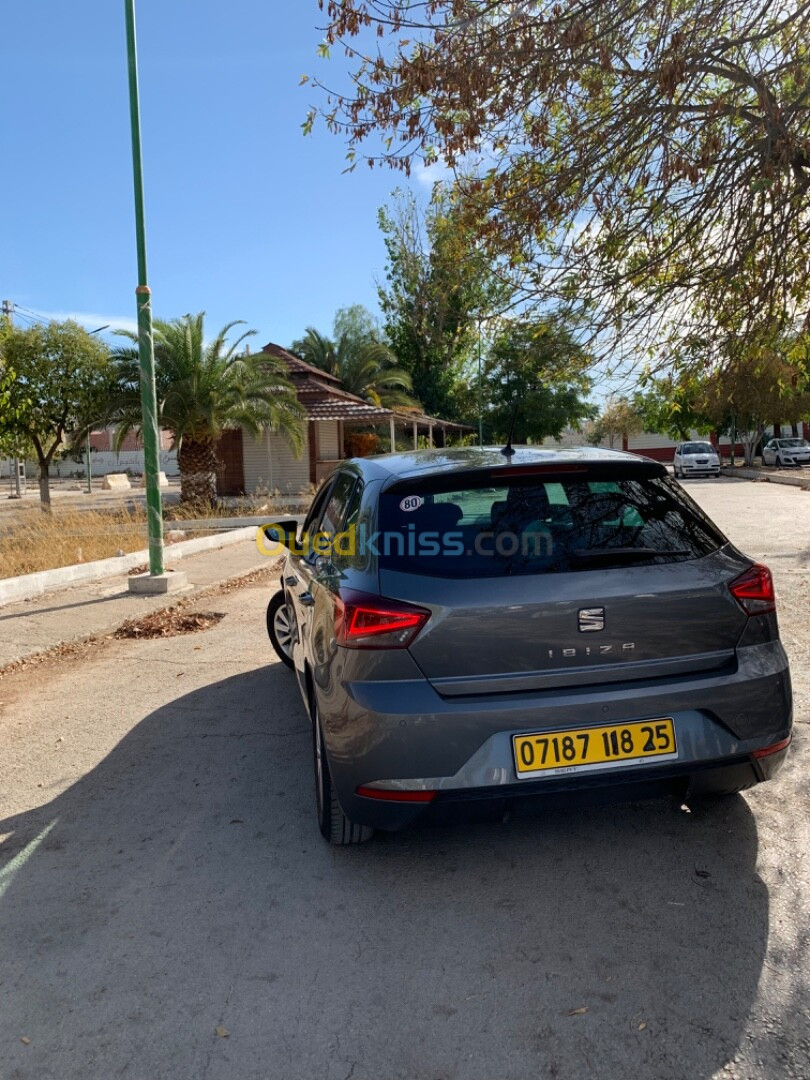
<point x="591" y="619"/>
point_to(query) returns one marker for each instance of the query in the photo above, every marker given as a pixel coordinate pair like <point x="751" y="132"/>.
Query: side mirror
<point x="282" y="532"/>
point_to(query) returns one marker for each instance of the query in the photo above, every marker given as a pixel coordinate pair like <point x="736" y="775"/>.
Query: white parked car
<point x="786" y="452"/>
<point x="696" y="459"/>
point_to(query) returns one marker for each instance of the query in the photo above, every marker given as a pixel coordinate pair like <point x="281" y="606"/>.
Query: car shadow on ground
<point x="181" y="887"/>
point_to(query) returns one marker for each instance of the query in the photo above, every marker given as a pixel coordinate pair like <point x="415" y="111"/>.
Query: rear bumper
<point x="401" y="735"/>
<point x="497" y="803"/>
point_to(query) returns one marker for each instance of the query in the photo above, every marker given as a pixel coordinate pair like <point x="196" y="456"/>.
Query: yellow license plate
<point x="581" y="749"/>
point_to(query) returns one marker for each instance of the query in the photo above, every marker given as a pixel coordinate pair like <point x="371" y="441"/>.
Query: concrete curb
<point x="766" y="478"/>
<point x="254" y="520"/>
<point x="28" y="585"/>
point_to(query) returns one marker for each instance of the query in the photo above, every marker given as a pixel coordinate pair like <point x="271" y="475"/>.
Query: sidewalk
<point x="791" y="478"/>
<point x="95" y="608"/>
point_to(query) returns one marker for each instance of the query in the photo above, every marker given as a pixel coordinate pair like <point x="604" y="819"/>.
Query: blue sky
<point x="246" y="218"/>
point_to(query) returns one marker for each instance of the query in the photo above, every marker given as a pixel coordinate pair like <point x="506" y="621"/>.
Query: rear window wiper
<point x="628" y="553"/>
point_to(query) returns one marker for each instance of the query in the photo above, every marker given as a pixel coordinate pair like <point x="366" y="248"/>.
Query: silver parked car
<point x="786" y="452"/>
<point x="696" y="459"/>
<point x="473" y="630"/>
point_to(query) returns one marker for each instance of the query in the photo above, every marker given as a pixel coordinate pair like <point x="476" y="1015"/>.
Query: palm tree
<point x="203" y="388"/>
<point x="366" y="368"/>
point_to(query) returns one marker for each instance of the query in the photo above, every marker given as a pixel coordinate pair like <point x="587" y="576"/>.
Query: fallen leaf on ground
<point x="25" y="1039"/>
<point x="168" y="623"/>
<point x="222" y="1033"/>
<point x="641" y="1026"/>
<point x="578" y="1012"/>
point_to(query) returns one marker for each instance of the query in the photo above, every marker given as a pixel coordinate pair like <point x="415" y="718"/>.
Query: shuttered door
<point x="231" y="467"/>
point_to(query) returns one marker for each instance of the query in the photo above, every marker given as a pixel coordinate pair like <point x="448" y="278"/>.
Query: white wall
<point x="101" y="463"/>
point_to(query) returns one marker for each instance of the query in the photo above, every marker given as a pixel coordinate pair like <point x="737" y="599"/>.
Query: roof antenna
<point x="509" y="450"/>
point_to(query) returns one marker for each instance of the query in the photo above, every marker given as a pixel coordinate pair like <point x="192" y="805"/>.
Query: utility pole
<point x="8" y="313"/>
<point x="480" y="391"/>
<point x="89" y="469"/>
<point x="157" y="580"/>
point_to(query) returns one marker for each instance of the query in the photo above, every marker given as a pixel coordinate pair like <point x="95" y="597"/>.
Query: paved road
<point x="164" y="879"/>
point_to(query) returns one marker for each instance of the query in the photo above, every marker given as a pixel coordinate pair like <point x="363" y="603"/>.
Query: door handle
<point x="291" y="580"/>
<point x="306" y="598"/>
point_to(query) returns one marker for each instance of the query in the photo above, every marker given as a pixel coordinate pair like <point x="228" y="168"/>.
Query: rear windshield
<point x="697" y="448"/>
<point x="537" y="527"/>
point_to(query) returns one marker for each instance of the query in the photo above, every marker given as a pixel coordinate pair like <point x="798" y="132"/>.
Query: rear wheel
<point x="333" y="823"/>
<point x="280" y="628"/>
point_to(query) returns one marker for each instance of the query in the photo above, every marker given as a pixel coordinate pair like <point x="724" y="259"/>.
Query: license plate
<point x="555" y="753"/>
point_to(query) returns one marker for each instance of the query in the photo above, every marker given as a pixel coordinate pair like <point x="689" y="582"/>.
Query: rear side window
<point x="531" y="527"/>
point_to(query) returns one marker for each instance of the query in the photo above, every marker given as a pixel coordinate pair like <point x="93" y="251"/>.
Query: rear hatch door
<point x="543" y="580"/>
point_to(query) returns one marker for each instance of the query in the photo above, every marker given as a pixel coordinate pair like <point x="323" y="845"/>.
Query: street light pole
<point x="146" y="346"/>
<point x="89" y="469"/>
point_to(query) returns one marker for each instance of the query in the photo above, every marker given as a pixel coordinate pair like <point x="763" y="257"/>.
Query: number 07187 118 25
<point x="619" y="743"/>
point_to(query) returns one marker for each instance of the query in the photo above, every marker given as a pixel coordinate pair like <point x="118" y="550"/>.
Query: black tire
<point x="280" y="629"/>
<point x="333" y="823"/>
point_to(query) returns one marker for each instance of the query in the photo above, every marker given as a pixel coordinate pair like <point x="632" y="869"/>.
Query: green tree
<point x="634" y="156"/>
<point x="365" y="366"/>
<point x="755" y="389"/>
<point x="356" y="324"/>
<point x="438" y="288"/>
<point x="58" y="381"/>
<point x="204" y="388"/>
<point x="666" y="406"/>
<point x="538" y="373"/>
<point x="618" y="419"/>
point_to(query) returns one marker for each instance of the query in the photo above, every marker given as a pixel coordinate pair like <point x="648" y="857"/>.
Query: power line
<point x="31" y="314"/>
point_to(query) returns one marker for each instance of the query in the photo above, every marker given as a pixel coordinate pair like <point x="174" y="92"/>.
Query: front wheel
<point x="280" y="628"/>
<point x="333" y="823"/>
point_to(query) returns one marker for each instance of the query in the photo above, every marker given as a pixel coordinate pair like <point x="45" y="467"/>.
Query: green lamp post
<point x="146" y="347"/>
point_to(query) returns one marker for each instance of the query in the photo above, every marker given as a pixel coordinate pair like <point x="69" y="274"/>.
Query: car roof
<point x="467" y="458"/>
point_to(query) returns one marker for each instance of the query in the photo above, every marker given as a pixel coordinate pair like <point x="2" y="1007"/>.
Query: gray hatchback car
<point x="473" y="631"/>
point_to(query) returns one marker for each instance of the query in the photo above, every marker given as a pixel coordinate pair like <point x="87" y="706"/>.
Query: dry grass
<point x="32" y="541"/>
<point x="237" y="507"/>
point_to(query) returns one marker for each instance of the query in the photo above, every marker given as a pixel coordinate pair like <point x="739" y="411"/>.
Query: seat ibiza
<point x="474" y="629"/>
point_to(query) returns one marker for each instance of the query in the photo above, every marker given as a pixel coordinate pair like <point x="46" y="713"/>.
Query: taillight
<point x="753" y="590"/>
<point x="774" y="748"/>
<point x="363" y="621"/>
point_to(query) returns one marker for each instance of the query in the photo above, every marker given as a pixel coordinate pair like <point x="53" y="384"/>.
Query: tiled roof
<point x="324" y="398"/>
<point x="325" y="402"/>
<point x="322" y="395"/>
<point x="298" y="368"/>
